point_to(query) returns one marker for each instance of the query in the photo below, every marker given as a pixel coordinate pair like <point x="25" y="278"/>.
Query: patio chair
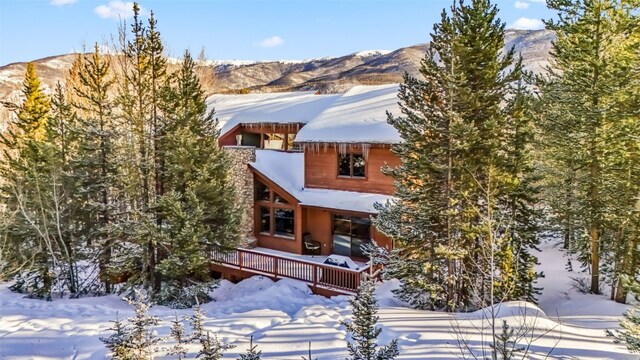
<point x="312" y="247"/>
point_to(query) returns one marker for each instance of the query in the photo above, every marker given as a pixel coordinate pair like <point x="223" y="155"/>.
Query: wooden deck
<point x="322" y="279"/>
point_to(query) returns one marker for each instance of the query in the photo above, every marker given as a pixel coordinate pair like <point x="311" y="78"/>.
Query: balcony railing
<point x="317" y="275"/>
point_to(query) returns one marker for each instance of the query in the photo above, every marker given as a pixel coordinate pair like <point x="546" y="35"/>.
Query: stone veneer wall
<point x="242" y="178"/>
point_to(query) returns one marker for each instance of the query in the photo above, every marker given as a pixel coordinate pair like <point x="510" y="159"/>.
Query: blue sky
<point x="237" y="29"/>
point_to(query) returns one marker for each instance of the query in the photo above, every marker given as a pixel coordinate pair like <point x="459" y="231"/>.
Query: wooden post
<point x="315" y="277"/>
<point x="275" y="267"/>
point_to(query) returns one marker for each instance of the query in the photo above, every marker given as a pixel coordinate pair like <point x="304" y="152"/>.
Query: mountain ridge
<point x="326" y="75"/>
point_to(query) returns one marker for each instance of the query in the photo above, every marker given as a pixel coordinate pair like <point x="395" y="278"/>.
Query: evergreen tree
<point x="363" y="330"/>
<point x="177" y="334"/>
<point x="505" y="347"/>
<point x="589" y="121"/>
<point x="96" y="164"/>
<point x="212" y="348"/>
<point x="468" y="116"/>
<point x="630" y="333"/>
<point x="142" y="335"/>
<point x="198" y="210"/>
<point x="27" y="190"/>
<point x="197" y="325"/>
<point x="33" y="113"/>
<point x="118" y="343"/>
<point x="252" y="353"/>
<point x="144" y="74"/>
<point x="62" y="144"/>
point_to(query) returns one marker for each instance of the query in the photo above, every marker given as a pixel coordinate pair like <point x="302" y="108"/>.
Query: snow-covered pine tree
<point x="588" y="117"/>
<point x="95" y="166"/>
<point x="62" y="144"/>
<point x="143" y="338"/>
<point x="252" y="352"/>
<point x="520" y="194"/>
<point x="197" y="324"/>
<point x="458" y="121"/>
<point x="362" y="329"/>
<point x="504" y="346"/>
<point x="212" y="348"/>
<point x="177" y="334"/>
<point x="119" y="343"/>
<point x="142" y="77"/>
<point x="198" y="206"/>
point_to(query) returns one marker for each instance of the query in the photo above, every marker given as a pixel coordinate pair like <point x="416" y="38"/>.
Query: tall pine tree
<point x="590" y="120"/>
<point x="466" y="118"/>
<point x="198" y="209"/>
<point x="96" y="163"/>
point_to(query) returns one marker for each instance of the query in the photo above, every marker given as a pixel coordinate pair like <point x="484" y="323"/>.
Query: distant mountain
<point x="329" y="75"/>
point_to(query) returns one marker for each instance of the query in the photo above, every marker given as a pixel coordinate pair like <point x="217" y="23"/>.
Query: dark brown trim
<point x="223" y="137"/>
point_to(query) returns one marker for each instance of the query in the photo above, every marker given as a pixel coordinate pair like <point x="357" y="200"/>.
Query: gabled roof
<point x="268" y="108"/>
<point x="357" y="116"/>
<point x="287" y="171"/>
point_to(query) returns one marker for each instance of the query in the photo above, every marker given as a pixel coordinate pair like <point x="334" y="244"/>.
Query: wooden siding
<point x="321" y="171"/>
<point x="292" y="245"/>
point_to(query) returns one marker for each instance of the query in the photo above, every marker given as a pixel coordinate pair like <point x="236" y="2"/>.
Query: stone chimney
<point x="242" y="179"/>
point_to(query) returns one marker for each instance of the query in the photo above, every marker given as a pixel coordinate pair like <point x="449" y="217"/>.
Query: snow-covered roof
<point x="357" y="116"/>
<point x="280" y="108"/>
<point x="287" y="170"/>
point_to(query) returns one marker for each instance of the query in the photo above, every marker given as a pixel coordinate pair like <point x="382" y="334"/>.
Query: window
<point x="351" y="165"/>
<point x="275" y="141"/>
<point x="265" y="220"/>
<point x="349" y="234"/>
<point x="284" y="222"/>
<point x="250" y="139"/>
<point x="262" y="192"/>
<point x="269" y="139"/>
<point x="276" y="216"/>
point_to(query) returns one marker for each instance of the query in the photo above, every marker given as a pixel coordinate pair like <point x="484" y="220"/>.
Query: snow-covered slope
<point x="284" y="316"/>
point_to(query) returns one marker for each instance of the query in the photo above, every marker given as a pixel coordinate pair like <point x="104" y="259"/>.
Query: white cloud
<point x="527" y="24"/>
<point x="61" y="2"/>
<point x="538" y="1"/>
<point x="521" y="5"/>
<point x="271" y="42"/>
<point x="117" y="10"/>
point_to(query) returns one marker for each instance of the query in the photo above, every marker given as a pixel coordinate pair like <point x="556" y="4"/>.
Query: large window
<point x="273" y="141"/>
<point x="276" y="216"/>
<point x="351" y="165"/>
<point x="349" y="234"/>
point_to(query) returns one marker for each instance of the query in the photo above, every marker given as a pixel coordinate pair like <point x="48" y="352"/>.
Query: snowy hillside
<point x="284" y="316"/>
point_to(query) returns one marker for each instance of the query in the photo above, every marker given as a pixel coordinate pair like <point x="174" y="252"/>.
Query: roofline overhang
<point x="338" y="210"/>
<point x="273" y="184"/>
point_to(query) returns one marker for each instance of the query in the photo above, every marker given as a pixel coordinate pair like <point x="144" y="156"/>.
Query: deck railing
<point x="314" y="274"/>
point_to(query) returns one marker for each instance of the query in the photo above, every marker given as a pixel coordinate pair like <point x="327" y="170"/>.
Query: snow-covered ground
<point x="284" y="316"/>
